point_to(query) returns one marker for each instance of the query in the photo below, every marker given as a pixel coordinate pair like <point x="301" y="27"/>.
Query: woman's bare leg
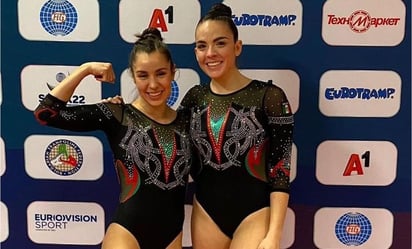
<point x="118" y="237"/>
<point x="176" y="243"/>
<point x="205" y="233"/>
<point x="251" y="230"/>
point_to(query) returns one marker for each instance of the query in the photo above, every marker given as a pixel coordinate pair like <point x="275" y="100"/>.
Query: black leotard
<point x="244" y="142"/>
<point x="152" y="162"/>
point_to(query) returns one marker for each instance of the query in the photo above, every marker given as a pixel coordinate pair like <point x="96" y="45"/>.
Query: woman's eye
<point x="200" y="47"/>
<point x="142" y="77"/>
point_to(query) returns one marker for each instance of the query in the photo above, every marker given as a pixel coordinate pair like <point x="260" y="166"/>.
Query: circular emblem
<point x="63" y="157"/>
<point x="58" y="17"/>
<point x="353" y="229"/>
<point x="360" y="21"/>
<point x="174" y="94"/>
<point x="60" y="77"/>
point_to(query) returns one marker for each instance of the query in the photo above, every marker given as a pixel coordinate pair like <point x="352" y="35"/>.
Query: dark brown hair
<point x="221" y="12"/>
<point x="149" y="41"/>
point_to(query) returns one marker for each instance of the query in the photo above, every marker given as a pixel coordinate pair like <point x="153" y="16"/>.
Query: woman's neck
<point x="161" y="114"/>
<point x="226" y="85"/>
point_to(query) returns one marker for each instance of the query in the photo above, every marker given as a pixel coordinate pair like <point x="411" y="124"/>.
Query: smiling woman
<point x="242" y="132"/>
<point x="149" y="141"/>
<point x="152" y="76"/>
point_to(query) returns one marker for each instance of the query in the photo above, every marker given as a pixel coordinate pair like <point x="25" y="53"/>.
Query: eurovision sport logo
<point x="65" y="223"/>
<point x="63" y="157"/>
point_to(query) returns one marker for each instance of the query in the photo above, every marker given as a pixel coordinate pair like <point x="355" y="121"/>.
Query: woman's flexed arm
<point x="102" y="71"/>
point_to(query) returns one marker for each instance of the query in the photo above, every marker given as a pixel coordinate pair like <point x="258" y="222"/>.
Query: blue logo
<point x="264" y="20"/>
<point x="359" y="93"/>
<point x="353" y="229"/>
<point x="58" y="17"/>
<point x="174" y="94"/>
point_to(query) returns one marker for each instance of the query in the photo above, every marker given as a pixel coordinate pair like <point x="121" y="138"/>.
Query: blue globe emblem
<point x="353" y="229"/>
<point x="60" y="77"/>
<point x="174" y="94"/>
<point x="58" y="17"/>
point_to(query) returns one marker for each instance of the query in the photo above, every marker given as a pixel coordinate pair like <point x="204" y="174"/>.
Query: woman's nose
<point x="210" y="50"/>
<point x="152" y="82"/>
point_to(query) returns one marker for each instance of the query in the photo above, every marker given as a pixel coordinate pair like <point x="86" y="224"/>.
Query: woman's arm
<point x="52" y="110"/>
<point x="278" y="207"/>
<point x="102" y="71"/>
<point x="280" y="130"/>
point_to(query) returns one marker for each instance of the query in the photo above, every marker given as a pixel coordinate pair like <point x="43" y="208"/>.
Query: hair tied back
<point x="150" y="33"/>
<point x="220" y="9"/>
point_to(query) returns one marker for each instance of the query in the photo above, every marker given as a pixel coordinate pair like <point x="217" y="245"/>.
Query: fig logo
<point x="58" y="17"/>
<point x="64" y="157"/>
<point x="353" y="229"/>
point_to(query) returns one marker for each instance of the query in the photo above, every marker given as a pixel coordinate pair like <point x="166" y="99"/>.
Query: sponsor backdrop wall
<point x="344" y="64"/>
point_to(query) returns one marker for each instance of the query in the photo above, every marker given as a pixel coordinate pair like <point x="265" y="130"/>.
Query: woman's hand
<point x="114" y="100"/>
<point x="267" y="243"/>
<point x="102" y="71"/>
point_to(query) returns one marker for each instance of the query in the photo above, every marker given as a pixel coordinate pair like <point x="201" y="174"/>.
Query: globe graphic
<point x="174" y="94"/>
<point x="58" y="17"/>
<point x="353" y="229"/>
<point x="60" y="77"/>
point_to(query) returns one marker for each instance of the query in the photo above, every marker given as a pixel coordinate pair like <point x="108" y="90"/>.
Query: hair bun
<point x="151" y="33"/>
<point x="220" y="9"/>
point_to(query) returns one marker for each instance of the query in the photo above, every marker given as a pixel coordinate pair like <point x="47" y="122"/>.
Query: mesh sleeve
<point x="280" y="130"/>
<point x="54" y="112"/>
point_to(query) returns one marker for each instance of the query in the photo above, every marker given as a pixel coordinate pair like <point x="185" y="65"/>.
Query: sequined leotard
<point x="244" y="142"/>
<point x="152" y="162"/>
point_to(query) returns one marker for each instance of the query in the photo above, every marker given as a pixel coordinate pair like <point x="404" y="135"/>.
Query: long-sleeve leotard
<point x="244" y="142"/>
<point x="151" y="159"/>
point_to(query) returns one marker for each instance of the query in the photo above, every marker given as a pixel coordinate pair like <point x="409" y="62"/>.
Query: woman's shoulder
<point x="269" y="85"/>
<point x="112" y="110"/>
<point x="198" y="89"/>
<point x="193" y="95"/>
<point x="183" y="119"/>
<point x="183" y="112"/>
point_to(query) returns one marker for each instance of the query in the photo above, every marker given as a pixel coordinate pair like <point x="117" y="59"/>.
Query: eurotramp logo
<point x="282" y="25"/>
<point x="360" y="93"/>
